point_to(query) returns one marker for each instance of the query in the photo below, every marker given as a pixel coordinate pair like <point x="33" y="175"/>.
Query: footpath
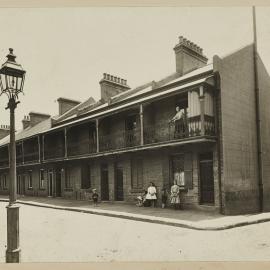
<point x="196" y="219"/>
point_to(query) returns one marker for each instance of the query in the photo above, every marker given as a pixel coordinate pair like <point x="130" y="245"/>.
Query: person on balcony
<point x="179" y="123"/>
<point x="151" y="195"/>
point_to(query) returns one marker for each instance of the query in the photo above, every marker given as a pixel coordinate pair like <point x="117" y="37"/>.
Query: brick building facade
<point x="126" y="139"/>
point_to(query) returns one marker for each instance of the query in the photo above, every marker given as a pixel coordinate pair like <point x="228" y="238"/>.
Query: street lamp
<point x="11" y="84"/>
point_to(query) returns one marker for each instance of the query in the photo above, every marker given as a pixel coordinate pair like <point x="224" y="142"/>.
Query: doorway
<point x="21" y="184"/>
<point x="206" y="178"/>
<point x="104" y="182"/>
<point x="119" y="189"/>
<point x="50" y="184"/>
<point x="58" y="186"/>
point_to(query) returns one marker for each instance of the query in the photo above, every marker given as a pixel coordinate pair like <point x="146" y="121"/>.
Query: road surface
<point x="49" y="235"/>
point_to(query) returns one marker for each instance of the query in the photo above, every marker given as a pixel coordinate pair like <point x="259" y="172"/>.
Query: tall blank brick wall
<point x="239" y="145"/>
<point x="264" y="90"/>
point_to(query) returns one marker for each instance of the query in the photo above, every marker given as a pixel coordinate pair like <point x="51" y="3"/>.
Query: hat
<point x="94" y="189"/>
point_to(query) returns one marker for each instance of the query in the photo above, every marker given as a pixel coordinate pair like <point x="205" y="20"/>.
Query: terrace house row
<point x="123" y="141"/>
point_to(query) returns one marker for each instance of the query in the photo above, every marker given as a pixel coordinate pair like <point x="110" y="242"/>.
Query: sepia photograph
<point x="134" y="134"/>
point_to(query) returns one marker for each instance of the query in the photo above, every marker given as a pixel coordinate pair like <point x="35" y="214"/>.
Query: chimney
<point x="4" y="131"/>
<point x="189" y="56"/>
<point x="26" y="122"/>
<point x="65" y="104"/>
<point x="111" y="85"/>
<point x="36" y="118"/>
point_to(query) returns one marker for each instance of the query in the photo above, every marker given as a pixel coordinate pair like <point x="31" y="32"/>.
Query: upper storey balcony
<point x="179" y="118"/>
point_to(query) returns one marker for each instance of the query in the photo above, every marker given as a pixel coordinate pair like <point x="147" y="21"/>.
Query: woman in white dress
<point x="175" y="198"/>
<point x="151" y="195"/>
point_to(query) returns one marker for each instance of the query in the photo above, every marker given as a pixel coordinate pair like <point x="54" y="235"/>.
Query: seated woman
<point x="141" y="200"/>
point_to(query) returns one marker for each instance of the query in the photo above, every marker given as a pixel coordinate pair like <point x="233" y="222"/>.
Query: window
<point x="68" y="179"/>
<point x="85" y="176"/>
<point x="4" y="181"/>
<point x="41" y="178"/>
<point x="137" y="173"/>
<point x="30" y="180"/>
<point x="181" y="168"/>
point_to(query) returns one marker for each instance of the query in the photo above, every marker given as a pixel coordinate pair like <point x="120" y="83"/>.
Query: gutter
<point x="219" y="134"/>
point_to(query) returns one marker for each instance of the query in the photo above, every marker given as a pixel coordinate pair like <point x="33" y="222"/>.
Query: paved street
<point x="49" y="235"/>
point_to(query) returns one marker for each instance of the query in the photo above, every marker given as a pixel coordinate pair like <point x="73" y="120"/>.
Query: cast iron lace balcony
<point x="119" y="140"/>
<point x="192" y="127"/>
<point x="81" y="147"/>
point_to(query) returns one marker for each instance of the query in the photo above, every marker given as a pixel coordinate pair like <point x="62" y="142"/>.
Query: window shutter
<point x="188" y="170"/>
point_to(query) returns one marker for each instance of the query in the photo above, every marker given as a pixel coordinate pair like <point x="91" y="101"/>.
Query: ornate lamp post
<point x="11" y="84"/>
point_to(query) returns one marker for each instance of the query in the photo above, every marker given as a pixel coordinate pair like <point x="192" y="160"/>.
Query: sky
<point x="65" y="51"/>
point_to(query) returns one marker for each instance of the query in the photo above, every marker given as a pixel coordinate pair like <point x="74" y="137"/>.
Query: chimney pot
<point x="188" y="61"/>
<point x="180" y="39"/>
<point x="109" y="90"/>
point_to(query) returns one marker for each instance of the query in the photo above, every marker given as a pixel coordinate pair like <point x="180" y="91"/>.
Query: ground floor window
<point x="30" y="180"/>
<point x="181" y="170"/>
<point x="137" y="173"/>
<point x="68" y="183"/>
<point x="41" y="178"/>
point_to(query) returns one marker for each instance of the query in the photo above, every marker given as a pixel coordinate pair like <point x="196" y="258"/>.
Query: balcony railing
<point x="156" y="133"/>
<point x="82" y="147"/>
<point x="4" y="162"/>
<point x="179" y="130"/>
<point x="19" y="158"/>
<point x="54" y="152"/>
<point x="31" y="157"/>
<point x="119" y="140"/>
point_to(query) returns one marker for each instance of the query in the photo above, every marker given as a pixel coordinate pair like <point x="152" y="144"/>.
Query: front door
<point x="206" y="178"/>
<point x="104" y="183"/>
<point x="58" y="183"/>
<point x="50" y="184"/>
<point x="119" y="192"/>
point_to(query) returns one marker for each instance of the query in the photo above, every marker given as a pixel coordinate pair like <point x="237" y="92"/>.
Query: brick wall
<point x="264" y="91"/>
<point x="240" y="168"/>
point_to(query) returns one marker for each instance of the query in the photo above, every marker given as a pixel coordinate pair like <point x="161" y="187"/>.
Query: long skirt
<point x="175" y="199"/>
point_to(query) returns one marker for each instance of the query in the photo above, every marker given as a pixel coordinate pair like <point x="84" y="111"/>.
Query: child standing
<point x="164" y="197"/>
<point x="95" y="197"/>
